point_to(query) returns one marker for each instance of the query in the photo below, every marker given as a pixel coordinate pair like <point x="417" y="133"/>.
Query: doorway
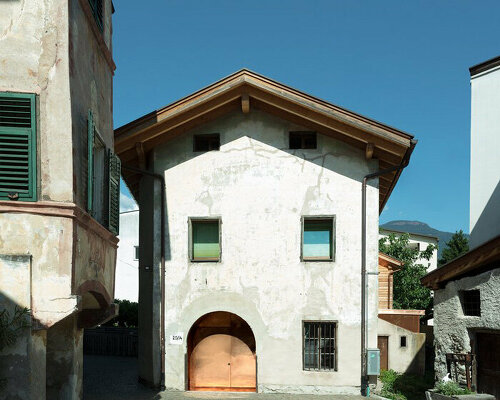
<point x="488" y="363"/>
<point x="383" y="345"/>
<point x="221" y="354"/>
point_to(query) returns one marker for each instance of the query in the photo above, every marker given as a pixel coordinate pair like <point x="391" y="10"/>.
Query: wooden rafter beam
<point x="245" y="103"/>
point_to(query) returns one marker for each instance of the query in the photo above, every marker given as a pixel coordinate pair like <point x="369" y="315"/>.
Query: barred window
<point x="319" y="346"/>
<point x="471" y="302"/>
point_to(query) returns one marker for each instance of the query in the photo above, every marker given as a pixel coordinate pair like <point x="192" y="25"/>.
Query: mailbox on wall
<point x="373" y="362"/>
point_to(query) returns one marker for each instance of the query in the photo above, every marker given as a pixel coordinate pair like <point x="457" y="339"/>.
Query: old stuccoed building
<point x="58" y="188"/>
<point x="258" y="284"/>
<point x="467" y="290"/>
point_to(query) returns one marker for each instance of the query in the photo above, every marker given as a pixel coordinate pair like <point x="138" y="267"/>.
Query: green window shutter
<point x="17" y="147"/>
<point x="114" y="166"/>
<point x="97" y="11"/>
<point x="90" y="161"/>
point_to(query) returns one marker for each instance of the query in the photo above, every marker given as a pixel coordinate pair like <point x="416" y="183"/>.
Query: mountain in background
<point x="421" y="228"/>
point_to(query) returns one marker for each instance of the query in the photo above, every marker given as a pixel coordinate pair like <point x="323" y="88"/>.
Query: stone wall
<point x="454" y="331"/>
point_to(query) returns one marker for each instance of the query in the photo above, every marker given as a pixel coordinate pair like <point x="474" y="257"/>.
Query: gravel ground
<point x="113" y="378"/>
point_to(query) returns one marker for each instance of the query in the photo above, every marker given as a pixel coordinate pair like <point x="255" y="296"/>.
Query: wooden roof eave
<point x="391" y="145"/>
<point x="475" y="261"/>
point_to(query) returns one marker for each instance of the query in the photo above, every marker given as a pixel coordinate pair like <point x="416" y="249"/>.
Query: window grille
<point x="471" y="302"/>
<point x="319" y="346"/>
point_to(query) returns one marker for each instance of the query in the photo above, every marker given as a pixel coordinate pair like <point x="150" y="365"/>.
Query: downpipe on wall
<point x="365" y="389"/>
<point x="161" y="178"/>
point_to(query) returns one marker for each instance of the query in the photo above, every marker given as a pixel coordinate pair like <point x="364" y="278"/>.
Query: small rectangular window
<point x="319" y="341"/>
<point x="206" y="142"/>
<point x="18" y="147"/>
<point x="205" y="240"/>
<point x="403" y="341"/>
<point x="136" y="255"/>
<point x="471" y="302"/>
<point x="414" y="246"/>
<point x="302" y="140"/>
<point x="317" y="238"/>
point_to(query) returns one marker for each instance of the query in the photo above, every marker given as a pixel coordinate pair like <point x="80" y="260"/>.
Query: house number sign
<point x="176" y="338"/>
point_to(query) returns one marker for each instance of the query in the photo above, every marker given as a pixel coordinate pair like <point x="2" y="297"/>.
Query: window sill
<point x="319" y="371"/>
<point x="317" y="259"/>
<point x="202" y="260"/>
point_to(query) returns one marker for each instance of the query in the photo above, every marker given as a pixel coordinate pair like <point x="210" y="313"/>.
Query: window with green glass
<point x="17" y="147"/>
<point x="205" y="239"/>
<point x="317" y="238"/>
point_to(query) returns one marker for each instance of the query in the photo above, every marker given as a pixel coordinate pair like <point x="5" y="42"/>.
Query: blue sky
<point x="404" y="63"/>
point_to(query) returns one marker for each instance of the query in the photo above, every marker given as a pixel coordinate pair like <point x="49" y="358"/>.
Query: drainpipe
<point x="364" y="298"/>
<point x="162" y="275"/>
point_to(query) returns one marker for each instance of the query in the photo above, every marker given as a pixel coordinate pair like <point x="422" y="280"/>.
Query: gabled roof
<point x="476" y="261"/>
<point x="246" y="90"/>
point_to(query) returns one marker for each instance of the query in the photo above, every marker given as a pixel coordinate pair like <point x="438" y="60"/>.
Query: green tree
<point x="408" y="292"/>
<point x="455" y="247"/>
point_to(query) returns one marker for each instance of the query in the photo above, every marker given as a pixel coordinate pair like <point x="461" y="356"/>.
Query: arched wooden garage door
<point x="221" y="354"/>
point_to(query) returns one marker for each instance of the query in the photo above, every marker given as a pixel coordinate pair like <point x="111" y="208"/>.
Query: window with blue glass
<point x="318" y="238"/>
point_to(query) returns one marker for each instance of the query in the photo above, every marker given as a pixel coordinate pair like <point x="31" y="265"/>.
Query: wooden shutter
<point x="97" y="11"/>
<point x="17" y="147"/>
<point x="90" y="162"/>
<point x="114" y="166"/>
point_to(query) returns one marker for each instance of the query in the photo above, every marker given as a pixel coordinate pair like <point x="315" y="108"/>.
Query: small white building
<point x="252" y="243"/>
<point x="127" y="257"/>
<point x="419" y="242"/>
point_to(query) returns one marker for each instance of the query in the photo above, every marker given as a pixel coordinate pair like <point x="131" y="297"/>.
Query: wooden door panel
<point x="243" y="366"/>
<point x="488" y="363"/>
<point x="383" y="345"/>
<point x="210" y="363"/>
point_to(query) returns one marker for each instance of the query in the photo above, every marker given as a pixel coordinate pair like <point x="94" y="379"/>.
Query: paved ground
<point x="113" y="378"/>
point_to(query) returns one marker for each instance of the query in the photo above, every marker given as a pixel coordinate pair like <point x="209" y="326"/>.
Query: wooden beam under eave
<point x="171" y="134"/>
<point x="387" y="180"/>
<point x="369" y="151"/>
<point x="141" y="157"/>
<point x="177" y="118"/>
<point x="397" y="149"/>
<point x="245" y="103"/>
<point x="323" y="130"/>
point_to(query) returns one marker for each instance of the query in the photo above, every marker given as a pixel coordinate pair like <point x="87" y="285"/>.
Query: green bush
<point x="450" y="388"/>
<point x="396" y="386"/>
<point x="388" y="379"/>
